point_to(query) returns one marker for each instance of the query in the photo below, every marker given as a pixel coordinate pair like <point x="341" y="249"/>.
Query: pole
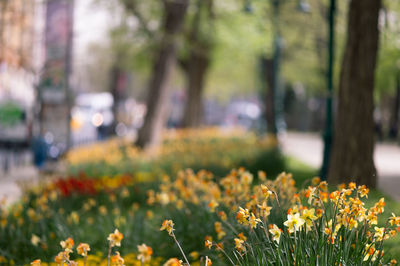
<point x="328" y="132"/>
<point x="68" y="71"/>
<point x="276" y="66"/>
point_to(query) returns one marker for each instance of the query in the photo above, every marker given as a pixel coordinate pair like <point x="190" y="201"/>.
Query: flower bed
<point x="237" y="219"/>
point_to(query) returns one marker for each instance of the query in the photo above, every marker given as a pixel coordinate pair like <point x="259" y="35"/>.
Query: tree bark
<point x="196" y="72"/>
<point x="157" y="99"/>
<point x="267" y="76"/>
<point x="114" y="76"/>
<point x="353" y="150"/>
<point x="394" y="120"/>
<point x="196" y="64"/>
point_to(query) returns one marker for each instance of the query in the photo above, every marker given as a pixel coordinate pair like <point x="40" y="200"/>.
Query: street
<point x="308" y="147"/>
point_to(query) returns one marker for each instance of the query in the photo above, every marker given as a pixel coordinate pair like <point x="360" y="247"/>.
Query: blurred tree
<point x="173" y="14"/>
<point x="196" y="58"/>
<point x="352" y="155"/>
<point x="387" y="93"/>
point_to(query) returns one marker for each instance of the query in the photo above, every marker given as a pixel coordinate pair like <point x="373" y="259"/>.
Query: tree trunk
<point x="353" y="150"/>
<point x="157" y="99"/>
<point x="196" y="64"/>
<point x="114" y="77"/>
<point x="267" y="76"/>
<point x="394" y="121"/>
<point x="196" y="71"/>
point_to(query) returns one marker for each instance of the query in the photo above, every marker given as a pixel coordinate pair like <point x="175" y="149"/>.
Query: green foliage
<point x="10" y="114"/>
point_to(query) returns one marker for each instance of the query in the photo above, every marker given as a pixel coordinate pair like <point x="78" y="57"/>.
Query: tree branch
<point x="132" y="7"/>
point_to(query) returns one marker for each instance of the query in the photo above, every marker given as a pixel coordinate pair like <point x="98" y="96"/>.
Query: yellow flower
<point x="212" y="205"/>
<point x="352" y="185"/>
<point x="67" y="244"/>
<point x="380" y="233"/>
<point x="370" y="251"/>
<point x="393" y="220"/>
<point x="73" y="217"/>
<point x="246" y="178"/>
<point x="173" y="262"/>
<point x="115" y="238"/>
<point x="242" y="215"/>
<point x="265" y="209"/>
<point x="309" y="216"/>
<point x="372" y="218"/>
<point x="239" y="245"/>
<point x="35" y="240"/>
<point x="242" y="236"/>
<point x="208" y="244"/>
<point x="145" y="253"/>
<point x="103" y="210"/>
<point x="380" y="205"/>
<point x="219" y="230"/>
<point x="168" y="225"/>
<point x="61" y="257"/>
<point x="194" y="254"/>
<point x="208" y="261"/>
<point x="276" y="233"/>
<point x="117" y="260"/>
<point x="253" y="221"/>
<point x="222" y="215"/>
<point x="310" y="194"/>
<point x="149" y="214"/>
<point x="294" y="222"/>
<point x="36" y="263"/>
<point x="266" y="191"/>
<point x="83" y="249"/>
<point x="262" y="176"/>
<point x="363" y="190"/>
<point x="315" y="181"/>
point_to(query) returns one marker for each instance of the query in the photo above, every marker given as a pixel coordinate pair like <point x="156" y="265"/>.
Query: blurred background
<point x="76" y="72"/>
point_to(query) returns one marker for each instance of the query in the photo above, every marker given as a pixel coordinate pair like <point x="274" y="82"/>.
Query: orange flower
<point x="145" y="253"/>
<point x="168" y="225"/>
<point x="61" y="256"/>
<point x="83" y="249"/>
<point x="117" y="260"/>
<point x="67" y="244"/>
<point x="239" y="245"/>
<point x="173" y="262"/>
<point x="36" y="263"/>
<point x="212" y="205"/>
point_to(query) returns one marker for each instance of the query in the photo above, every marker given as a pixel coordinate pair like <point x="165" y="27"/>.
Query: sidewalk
<point x="308" y="147"/>
<point x="9" y="183"/>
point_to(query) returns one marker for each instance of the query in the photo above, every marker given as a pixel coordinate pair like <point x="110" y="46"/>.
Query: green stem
<point x="223" y="251"/>
<point x="109" y="255"/>
<point x="180" y="248"/>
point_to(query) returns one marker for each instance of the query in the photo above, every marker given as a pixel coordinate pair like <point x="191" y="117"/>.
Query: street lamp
<point x="304" y="7"/>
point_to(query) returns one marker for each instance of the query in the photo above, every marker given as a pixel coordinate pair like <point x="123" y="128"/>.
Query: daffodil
<point x="239" y="245"/>
<point x="115" y="238"/>
<point x="309" y="215"/>
<point x="145" y="253"/>
<point x="380" y="234"/>
<point x="294" y="222"/>
<point x="36" y="263"/>
<point x="173" y="262"/>
<point x="117" y="260"/>
<point x="276" y="233"/>
<point x="83" y="249"/>
<point x="253" y="221"/>
<point x="168" y="225"/>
